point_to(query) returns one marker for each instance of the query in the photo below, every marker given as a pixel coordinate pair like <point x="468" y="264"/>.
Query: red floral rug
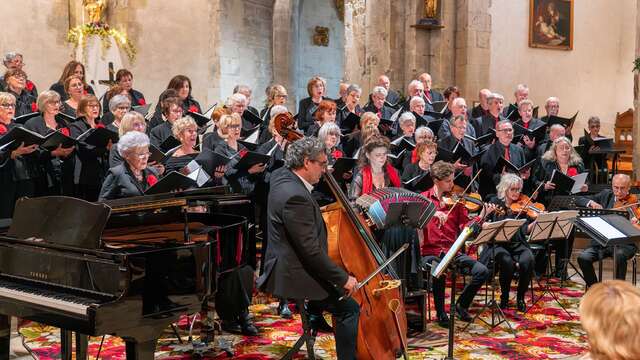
<point x="544" y="332"/>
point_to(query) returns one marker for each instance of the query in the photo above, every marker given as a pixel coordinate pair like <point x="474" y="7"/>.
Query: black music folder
<point x="247" y="132"/>
<point x="439" y="106"/>
<point x="200" y="119"/>
<point x="566" y="122"/>
<point x="563" y="183"/>
<point x="98" y="137"/>
<point x="142" y="109"/>
<point x="350" y="123"/>
<point x="342" y="166"/>
<point x="18" y="135"/>
<point x="210" y="160"/>
<point x="419" y="183"/>
<point x="157" y="155"/>
<point x="173" y="181"/>
<point x="435" y="125"/>
<point x="251" y="117"/>
<point x="520" y="131"/>
<point x="481" y="140"/>
<point x="22" y="119"/>
<point x="57" y="138"/>
<point x="169" y="143"/>
<point x="65" y="119"/>
<point x="250" y="159"/>
<point x="402" y="143"/>
<point x="504" y="164"/>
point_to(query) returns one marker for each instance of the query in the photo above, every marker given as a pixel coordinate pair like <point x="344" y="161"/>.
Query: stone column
<point x="636" y="104"/>
<point x="473" y="34"/>
<point x="284" y="29"/>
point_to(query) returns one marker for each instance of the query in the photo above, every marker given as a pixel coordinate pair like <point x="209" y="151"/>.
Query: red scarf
<point x="3" y="129"/>
<point x="142" y="102"/>
<point x="572" y="171"/>
<point x="151" y="180"/>
<point x="367" y="178"/>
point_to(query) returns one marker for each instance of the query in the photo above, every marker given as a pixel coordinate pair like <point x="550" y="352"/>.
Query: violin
<point x="630" y="204"/>
<point x="525" y="205"/>
<point x="285" y="125"/>
<point x="472" y="201"/>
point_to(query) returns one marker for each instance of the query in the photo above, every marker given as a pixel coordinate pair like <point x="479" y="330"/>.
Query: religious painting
<point x="551" y="24"/>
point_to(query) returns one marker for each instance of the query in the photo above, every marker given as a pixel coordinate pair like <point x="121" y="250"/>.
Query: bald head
<point x="383" y="80"/>
<point x="483" y="95"/>
<point x="425" y="79"/>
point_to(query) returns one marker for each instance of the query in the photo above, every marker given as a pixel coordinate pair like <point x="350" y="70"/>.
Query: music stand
<point x="409" y="214"/>
<point x="551" y="226"/>
<point x="495" y="232"/>
<point x="609" y="230"/>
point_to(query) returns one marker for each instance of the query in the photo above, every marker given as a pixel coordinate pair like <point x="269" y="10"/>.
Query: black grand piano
<point x="128" y="267"/>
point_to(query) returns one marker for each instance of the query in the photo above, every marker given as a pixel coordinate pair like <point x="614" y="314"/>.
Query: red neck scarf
<point x="3" y="129"/>
<point x="367" y="178"/>
<point x="414" y="156"/>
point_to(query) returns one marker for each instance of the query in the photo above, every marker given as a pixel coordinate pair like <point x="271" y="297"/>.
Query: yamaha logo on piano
<point x="38" y="275"/>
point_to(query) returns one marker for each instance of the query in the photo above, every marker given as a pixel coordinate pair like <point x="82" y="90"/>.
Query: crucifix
<point x="112" y="80"/>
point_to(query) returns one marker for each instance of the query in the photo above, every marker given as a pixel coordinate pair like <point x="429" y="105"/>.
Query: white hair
<point x="277" y="110"/>
<point x="415" y="83"/>
<point x="406" y="117"/>
<point x="495" y="96"/>
<point x="380" y="90"/>
<point x="131" y="140"/>
<point x="8" y="57"/>
<point x="117" y="100"/>
<point x="423" y="129"/>
<point x="234" y="99"/>
<point x="416" y="99"/>
<point x="329" y="128"/>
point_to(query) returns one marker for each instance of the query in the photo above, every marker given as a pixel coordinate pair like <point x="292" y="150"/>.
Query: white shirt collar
<point x="305" y="182"/>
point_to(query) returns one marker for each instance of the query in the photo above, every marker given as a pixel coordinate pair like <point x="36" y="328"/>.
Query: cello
<point x="382" y="325"/>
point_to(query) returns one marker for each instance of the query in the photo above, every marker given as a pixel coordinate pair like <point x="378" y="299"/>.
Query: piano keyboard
<point x="44" y="297"/>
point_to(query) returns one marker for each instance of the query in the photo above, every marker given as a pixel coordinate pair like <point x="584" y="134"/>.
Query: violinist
<point x="297" y="264"/>
<point x="506" y="255"/>
<point x="616" y="197"/>
<point x="441" y="232"/>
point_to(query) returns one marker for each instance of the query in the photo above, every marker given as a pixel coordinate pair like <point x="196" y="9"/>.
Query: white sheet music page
<point x="603" y="228"/>
<point x="580" y="179"/>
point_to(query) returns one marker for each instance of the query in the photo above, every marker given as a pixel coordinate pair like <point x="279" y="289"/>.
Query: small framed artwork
<point x="551" y="24"/>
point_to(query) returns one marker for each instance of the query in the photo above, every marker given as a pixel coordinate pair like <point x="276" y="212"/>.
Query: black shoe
<point x="318" y="323"/>
<point x="463" y="314"/>
<point x="230" y="326"/>
<point x="284" y="311"/>
<point x="504" y="304"/>
<point x="443" y="320"/>
<point x="522" y="306"/>
<point x="248" y="329"/>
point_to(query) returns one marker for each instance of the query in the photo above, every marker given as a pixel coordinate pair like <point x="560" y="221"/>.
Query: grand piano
<point x="127" y="268"/>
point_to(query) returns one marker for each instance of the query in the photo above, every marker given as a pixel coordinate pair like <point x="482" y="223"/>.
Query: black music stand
<point x="408" y="214"/>
<point x="551" y="226"/>
<point x="493" y="233"/>
<point x="609" y="230"/>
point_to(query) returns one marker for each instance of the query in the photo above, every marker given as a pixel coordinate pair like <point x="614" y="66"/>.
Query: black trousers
<point x="563" y="249"/>
<point x="479" y="275"/>
<point x="346" y="313"/>
<point x="506" y="257"/>
<point x="591" y="254"/>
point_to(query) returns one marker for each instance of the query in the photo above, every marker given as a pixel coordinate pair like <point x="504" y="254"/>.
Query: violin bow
<point x="626" y="206"/>
<point x="465" y="191"/>
<point x="528" y="201"/>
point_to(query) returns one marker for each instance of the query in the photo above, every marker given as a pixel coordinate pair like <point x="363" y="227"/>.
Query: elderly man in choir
<point x="429" y="95"/>
<point x="341" y="100"/>
<point x="527" y="121"/>
<point x="555" y="131"/>
<point x="482" y="108"/>
<point x="392" y="96"/>
<point x="415" y="89"/>
<point x="246" y="91"/>
<point x="458" y="108"/>
<point x="521" y="93"/>
<point x="503" y="147"/>
<point x="458" y="130"/>
<point x="619" y="193"/>
<point x="377" y="104"/>
<point x="488" y="122"/>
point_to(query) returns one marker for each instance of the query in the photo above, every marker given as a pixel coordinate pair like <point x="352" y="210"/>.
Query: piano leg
<point x="144" y="350"/>
<point x="66" y="345"/>
<point x="5" y="336"/>
<point x="82" y="342"/>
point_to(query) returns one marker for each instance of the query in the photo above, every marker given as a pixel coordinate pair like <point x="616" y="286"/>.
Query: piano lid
<point x="163" y="201"/>
<point x="60" y="220"/>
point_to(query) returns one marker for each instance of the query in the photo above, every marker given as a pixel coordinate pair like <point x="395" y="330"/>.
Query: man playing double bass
<point x="297" y="265"/>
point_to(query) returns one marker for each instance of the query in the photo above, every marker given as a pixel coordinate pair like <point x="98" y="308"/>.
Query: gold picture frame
<point x="551" y="24"/>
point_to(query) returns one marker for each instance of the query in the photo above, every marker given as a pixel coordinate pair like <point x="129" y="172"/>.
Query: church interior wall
<point x="595" y="77"/>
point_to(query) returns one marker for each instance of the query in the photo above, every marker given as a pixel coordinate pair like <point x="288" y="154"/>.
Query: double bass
<point x="382" y="326"/>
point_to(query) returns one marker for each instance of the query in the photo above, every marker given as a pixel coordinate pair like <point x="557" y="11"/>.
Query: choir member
<point x="458" y="108"/>
<point x="330" y="135"/>
<point x="342" y="94"/>
<point x="513" y="153"/>
<point x="482" y="108"/>
<point x="237" y="103"/>
<point x="16" y="82"/>
<point x="118" y="106"/>
<point x="325" y="113"/>
<point x="606" y="199"/>
<point x="521" y="93"/>
<point x="57" y="163"/>
<point x="15" y="180"/>
<point x="186" y="131"/>
<point x="421" y="135"/>
<point x="277" y="95"/>
<point x="458" y="130"/>
<point x="392" y="98"/>
<point x="247" y="92"/>
<point x="132" y="177"/>
<point x="354" y="141"/>
<point x="562" y="157"/>
<point x="414" y="89"/>
<point x="427" y="152"/>
<point x="182" y="85"/>
<point x="377" y="102"/>
<point x="316" y="88"/>
<point x="450" y="94"/>
<point x="440" y="234"/>
<point x="172" y="111"/>
<point x="74" y="88"/>
<point x="516" y="251"/>
<point x="131" y="121"/>
<point x="214" y="136"/>
<point x="489" y="121"/>
<point x="107" y="117"/>
<point x="375" y="172"/>
<point x="241" y="181"/>
<point x="72" y="68"/>
<point x="91" y="163"/>
<point x="551" y="107"/>
<point x="124" y="78"/>
<point x="407" y="121"/>
<point x="158" y="117"/>
<point x="555" y="131"/>
<point x="527" y="121"/>
<point x="351" y="104"/>
<point x="595" y="163"/>
<point x="15" y="61"/>
<point x="430" y="95"/>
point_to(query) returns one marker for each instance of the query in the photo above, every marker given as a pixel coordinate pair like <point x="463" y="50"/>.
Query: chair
<point x="308" y="336"/>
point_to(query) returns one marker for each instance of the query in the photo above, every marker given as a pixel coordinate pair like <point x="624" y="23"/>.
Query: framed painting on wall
<point x="551" y="24"/>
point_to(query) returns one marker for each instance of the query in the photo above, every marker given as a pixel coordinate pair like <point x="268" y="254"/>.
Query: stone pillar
<point x="284" y="31"/>
<point x="354" y="41"/>
<point x="636" y="104"/>
<point x="472" y="45"/>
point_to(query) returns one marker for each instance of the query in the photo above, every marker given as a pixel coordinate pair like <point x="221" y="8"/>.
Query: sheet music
<point x="602" y="227"/>
<point x="444" y="263"/>
<point x="580" y="179"/>
<point x="544" y="228"/>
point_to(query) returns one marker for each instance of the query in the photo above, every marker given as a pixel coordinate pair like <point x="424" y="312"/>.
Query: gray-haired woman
<point x="132" y="177"/>
<point x="118" y="106"/>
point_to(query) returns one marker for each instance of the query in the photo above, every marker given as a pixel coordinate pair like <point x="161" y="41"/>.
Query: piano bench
<point x="308" y="336"/>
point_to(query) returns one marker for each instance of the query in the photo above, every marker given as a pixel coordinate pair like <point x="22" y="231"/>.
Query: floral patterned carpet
<point x="544" y="332"/>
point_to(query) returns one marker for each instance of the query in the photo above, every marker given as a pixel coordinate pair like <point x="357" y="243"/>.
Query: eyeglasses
<point x="321" y="163"/>
<point x="94" y="106"/>
<point x="234" y="127"/>
<point x="8" y="105"/>
<point x="142" y="155"/>
<point x="19" y="77"/>
<point x="123" y="108"/>
<point x="282" y="96"/>
<point x="177" y="111"/>
<point x="518" y="189"/>
<point x="506" y="130"/>
<point x="594" y="126"/>
<point x="54" y="102"/>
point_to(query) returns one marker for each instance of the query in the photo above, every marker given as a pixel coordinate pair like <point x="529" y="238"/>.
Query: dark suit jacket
<point x="445" y="129"/>
<point x="483" y="124"/>
<point x="297" y="265"/>
<point x="393" y="99"/>
<point x="478" y="111"/>
<point x="489" y="178"/>
<point x="306" y="107"/>
<point x="435" y="96"/>
<point x="120" y="183"/>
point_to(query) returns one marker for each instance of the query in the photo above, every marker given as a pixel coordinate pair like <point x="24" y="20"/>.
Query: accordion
<point x="396" y="206"/>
